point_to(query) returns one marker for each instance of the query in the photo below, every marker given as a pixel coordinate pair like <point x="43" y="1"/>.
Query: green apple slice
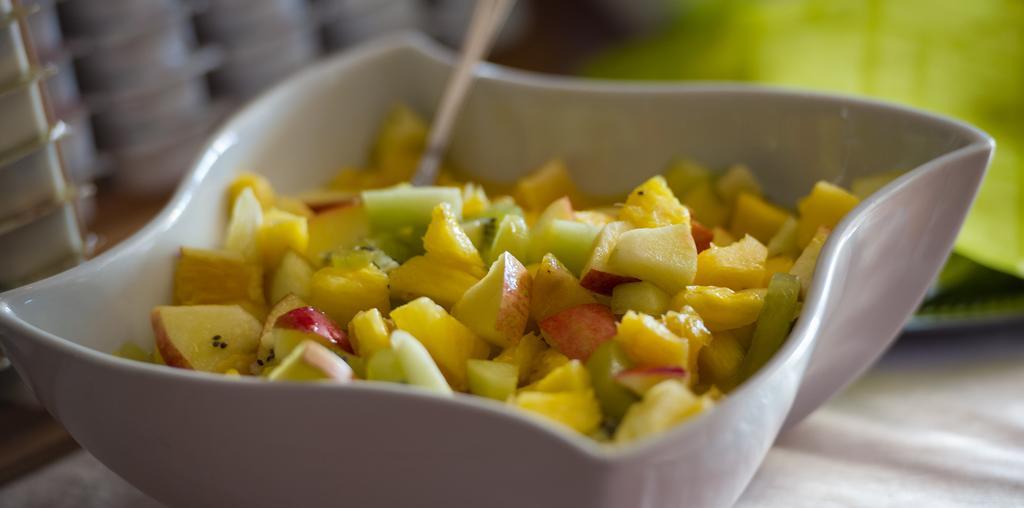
<point x="512" y="236"/>
<point x="607" y="361"/>
<point x="312" y="362"/>
<point x="292" y="276"/>
<point x="498" y="306"/>
<point x="384" y="365"/>
<point x="571" y="242"/>
<point x="640" y="297"/>
<point x="665" y="256"/>
<point x="494" y="380"/>
<point x="420" y="369"/>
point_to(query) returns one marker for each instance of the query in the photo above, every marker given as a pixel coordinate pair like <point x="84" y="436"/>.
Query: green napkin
<point x="962" y="58"/>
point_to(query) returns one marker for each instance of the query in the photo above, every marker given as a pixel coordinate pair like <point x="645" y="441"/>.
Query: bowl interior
<point x="611" y="135"/>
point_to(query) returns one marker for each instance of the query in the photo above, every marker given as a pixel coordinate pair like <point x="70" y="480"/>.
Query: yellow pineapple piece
<point x="722" y="308"/>
<point x="568" y="377"/>
<point x="652" y="205"/>
<point x="548" y="183"/>
<point x="547" y="361"/>
<point x="474" y="200"/>
<point x="736" y="266"/>
<point x="449" y="342"/>
<point x="735" y="181"/>
<point x="825" y="206"/>
<point x="446" y="242"/>
<point x="341" y="293"/>
<point x="442" y="282"/>
<point x="578" y="410"/>
<point x="756" y="217"/>
<point x="664" y="406"/>
<point x="293" y="206"/>
<point x="280" y="232"/>
<point x="523" y="355"/>
<point x="706" y="206"/>
<point x="649" y="343"/>
<point x="260" y="186"/>
<point x="773" y="265"/>
<point x="720" y="360"/>
<point x="721" y="237"/>
<point x="594" y="217"/>
<point x="369" y="333"/>
<point x="218" y="277"/>
<point x="400" y="142"/>
<point x="688" y="325"/>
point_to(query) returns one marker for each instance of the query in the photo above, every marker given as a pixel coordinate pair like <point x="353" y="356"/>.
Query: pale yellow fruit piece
<point x="773" y="265"/>
<point x="243" y="234"/>
<point x="736" y="266"/>
<point x="218" y="277"/>
<point x="722" y="308"/>
<point x="280" y="232"/>
<point x="570" y="376"/>
<point x="664" y="406"/>
<point x="652" y="204"/>
<point x="369" y="333"/>
<point x="688" y="325"/>
<point x="825" y="206"/>
<point x="547" y="361"/>
<point x="649" y="343"/>
<point x="341" y="293"/>
<point x="474" y="200"/>
<point x="578" y="410"/>
<point x="445" y="240"/>
<point x="449" y="342"/>
<point x="442" y="282"/>
<point x="260" y="186"/>
<point x="548" y="183"/>
<point x="523" y="355"/>
<point x="756" y="217"/>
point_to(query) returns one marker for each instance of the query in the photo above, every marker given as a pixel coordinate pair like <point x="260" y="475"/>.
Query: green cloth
<point x="961" y="58"/>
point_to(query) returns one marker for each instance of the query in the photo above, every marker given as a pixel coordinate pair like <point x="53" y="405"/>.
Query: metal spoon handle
<point x="488" y="17"/>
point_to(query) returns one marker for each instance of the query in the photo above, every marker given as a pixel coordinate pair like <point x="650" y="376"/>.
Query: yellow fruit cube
<point x="400" y="142"/>
<point x="720" y="361"/>
<point x="261" y="188"/>
<point x="548" y="183"/>
<point x="445" y="241"/>
<point x="773" y="265"/>
<point x="442" y="282"/>
<point x="523" y="355"/>
<point x="282" y="231"/>
<point x="706" y="206"/>
<point x="547" y="361"/>
<point x="218" y="277"/>
<point x="825" y="206"/>
<point x="756" y="217"/>
<point x="722" y="308"/>
<point x="368" y="333"/>
<point x="568" y="377"/>
<point x="474" y="200"/>
<point x="688" y="325"/>
<point x="338" y="227"/>
<point x="664" y="406"/>
<point x="649" y="343"/>
<point x="721" y="237"/>
<point x="735" y="181"/>
<point x="736" y="266"/>
<point x="341" y="293"/>
<point x="449" y="342"/>
<point x="652" y="205"/>
<point x="578" y="410"/>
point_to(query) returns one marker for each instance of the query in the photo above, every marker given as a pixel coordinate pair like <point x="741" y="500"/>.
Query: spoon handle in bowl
<point x="488" y="17"/>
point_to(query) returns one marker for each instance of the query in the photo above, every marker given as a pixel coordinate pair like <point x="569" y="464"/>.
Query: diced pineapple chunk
<point x="547" y="361"/>
<point x="336" y="228"/>
<point x="641" y="296"/>
<point x="756" y="217"/>
<point x="442" y="282"/>
<point x="280" y="232"/>
<point x="825" y="206"/>
<point x="400" y="142"/>
<point x="688" y="325"/>
<point x="722" y="308"/>
<point x="777" y="264"/>
<point x="706" y="206"/>
<point x="449" y="342"/>
<point x="737" y="266"/>
<point x="735" y="181"/>
<point x="578" y="410"/>
<point x="652" y="204"/>
<point x="218" y="277"/>
<point x="664" y="406"/>
<point x="445" y="241"/>
<point x="548" y="183"/>
<point x="292" y="276"/>
<point x="474" y="200"/>
<point x="342" y="293"/>
<point x="649" y="343"/>
<point x="368" y="332"/>
<point x="720" y="361"/>
<point x="523" y="355"/>
<point x="261" y="189"/>
<point x="568" y="377"/>
<point x="494" y="380"/>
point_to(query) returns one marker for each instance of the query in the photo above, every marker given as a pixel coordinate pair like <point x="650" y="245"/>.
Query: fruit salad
<point x="616" y="321"/>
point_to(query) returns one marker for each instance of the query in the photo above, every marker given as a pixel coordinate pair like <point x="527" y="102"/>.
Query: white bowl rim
<point x="800" y="338"/>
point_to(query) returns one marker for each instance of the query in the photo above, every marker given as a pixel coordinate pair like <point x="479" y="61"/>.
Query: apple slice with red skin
<point x="641" y="379"/>
<point x="702" y="235"/>
<point x="577" y="331"/>
<point x="283" y="306"/>
<point x="209" y="338"/>
<point x="555" y="289"/>
<point x="498" y="306"/>
<point x="597" y="276"/>
<point x="317" y="325"/>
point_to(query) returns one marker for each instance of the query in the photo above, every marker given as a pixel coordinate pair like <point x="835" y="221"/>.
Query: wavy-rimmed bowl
<point x="193" y="439"/>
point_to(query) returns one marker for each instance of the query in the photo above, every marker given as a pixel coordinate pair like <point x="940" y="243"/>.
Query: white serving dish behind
<point x="193" y="439"/>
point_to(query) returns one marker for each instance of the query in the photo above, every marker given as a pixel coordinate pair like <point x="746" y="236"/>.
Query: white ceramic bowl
<point x="193" y="439"/>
